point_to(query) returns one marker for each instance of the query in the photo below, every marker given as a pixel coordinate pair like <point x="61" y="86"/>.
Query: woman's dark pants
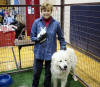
<point x="38" y="65"/>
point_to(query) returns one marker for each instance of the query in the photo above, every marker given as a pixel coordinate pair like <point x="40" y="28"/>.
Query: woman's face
<point x="46" y="13"/>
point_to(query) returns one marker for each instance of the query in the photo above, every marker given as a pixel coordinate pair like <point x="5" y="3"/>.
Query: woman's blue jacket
<point x="45" y="50"/>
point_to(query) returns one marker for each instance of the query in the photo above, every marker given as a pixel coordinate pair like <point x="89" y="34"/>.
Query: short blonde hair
<point x="46" y="5"/>
<point x="20" y="19"/>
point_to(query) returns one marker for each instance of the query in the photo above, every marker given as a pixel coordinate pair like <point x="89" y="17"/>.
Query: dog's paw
<point x="75" y="78"/>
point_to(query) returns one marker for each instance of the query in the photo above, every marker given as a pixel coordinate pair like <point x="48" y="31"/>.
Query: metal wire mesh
<point x="81" y="29"/>
<point x="17" y="52"/>
<point x="76" y="30"/>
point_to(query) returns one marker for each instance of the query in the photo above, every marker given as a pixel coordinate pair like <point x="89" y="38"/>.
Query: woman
<point x="45" y="43"/>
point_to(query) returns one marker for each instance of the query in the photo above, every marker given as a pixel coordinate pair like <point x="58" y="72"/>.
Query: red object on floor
<point x="7" y="38"/>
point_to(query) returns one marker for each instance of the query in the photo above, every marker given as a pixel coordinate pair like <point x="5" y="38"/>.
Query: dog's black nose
<point x="65" y="67"/>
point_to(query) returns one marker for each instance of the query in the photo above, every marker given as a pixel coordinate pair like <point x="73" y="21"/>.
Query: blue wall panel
<point x="85" y="28"/>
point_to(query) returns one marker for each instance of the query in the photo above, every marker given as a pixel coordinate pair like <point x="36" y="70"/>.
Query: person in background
<point x="13" y="13"/>
<point x="7" y="18"/>
<point x="1" y="16"/>
<point x="43" y="33"/>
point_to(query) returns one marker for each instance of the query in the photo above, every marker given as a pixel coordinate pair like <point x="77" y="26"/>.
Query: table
<point x="7" y="38"/>
<point x="20" y="44"/>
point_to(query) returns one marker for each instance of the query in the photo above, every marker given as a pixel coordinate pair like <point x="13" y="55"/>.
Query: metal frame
<point x="62" y="25"/>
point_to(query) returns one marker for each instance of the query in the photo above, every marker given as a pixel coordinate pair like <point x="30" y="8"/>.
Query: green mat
<point x="24" y="79"/>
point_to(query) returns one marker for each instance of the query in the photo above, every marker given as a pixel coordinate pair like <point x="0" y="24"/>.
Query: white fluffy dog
<point x="63" y="61"/>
